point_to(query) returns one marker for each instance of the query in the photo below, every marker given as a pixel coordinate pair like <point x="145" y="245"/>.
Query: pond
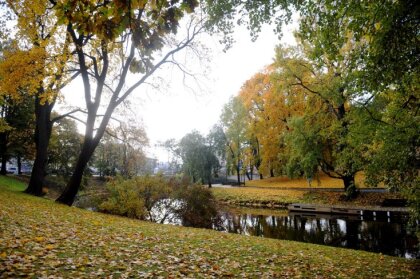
<point x="388" y="236"/>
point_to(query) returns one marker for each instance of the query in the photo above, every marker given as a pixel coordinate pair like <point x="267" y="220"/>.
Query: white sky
<point x="175" y="110"/>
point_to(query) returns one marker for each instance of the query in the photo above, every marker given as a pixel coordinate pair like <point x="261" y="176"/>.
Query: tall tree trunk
<point x="349" y="186"/>
<point x="238" y="174"/>
<point x="43" y="126"/>
<point x="19" y="164"/>
<point x="3" y="170"/>
<point x="248" y="176"/>
<point x="72" y="188"/>
<point x="252" y="172"/>
<point x="3" y="152"/>
<point x="271" y="173"/>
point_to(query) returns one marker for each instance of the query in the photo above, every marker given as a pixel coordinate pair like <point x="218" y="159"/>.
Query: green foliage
<point x="198" y="206"/>
<point x="64" y="147"/>
<point x="386" y="34"/>
<point x="198" y="158"/>
<point x="135" y="197"/>
<point x="156" y="198"/>
<point x="124" y="200"/>
<point x="226" y="14"/>
<point x="16" y="136"/>
<point x="234" y="123"/>
<point x="380" y="44"/>
<point x="305" y="151"/>
<point x="217" y="141"/>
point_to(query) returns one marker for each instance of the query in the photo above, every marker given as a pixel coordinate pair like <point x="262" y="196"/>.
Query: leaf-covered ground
<point x="323" y="181"/>
<point x="258" y="197"/>
<point x="39" y="238"/>
<point x="279" y="198"/>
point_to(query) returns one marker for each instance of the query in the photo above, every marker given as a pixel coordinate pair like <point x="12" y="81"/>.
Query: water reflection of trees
<point x="387" y="238"/>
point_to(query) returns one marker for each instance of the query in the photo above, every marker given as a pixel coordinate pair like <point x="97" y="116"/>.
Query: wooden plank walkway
<point x="347" y="210"/>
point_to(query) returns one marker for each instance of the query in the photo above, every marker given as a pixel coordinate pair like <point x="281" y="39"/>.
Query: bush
<point x="198" y="206"/>
<point x="123" y="200"/>
<point x="158" y="199"/>
<point x="135" y="197"/>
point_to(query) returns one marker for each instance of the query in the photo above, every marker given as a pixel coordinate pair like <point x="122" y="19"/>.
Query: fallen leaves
<point x="258" y="197"/>
<point x="324" y="181"/>
<point x="39" y="238"/>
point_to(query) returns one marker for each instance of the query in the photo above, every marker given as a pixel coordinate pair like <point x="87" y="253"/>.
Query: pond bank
<point x="265" y="205"/>
<point x="389" y="235"/>
<point x="43" y="239"/>
<point x="280" y="198"/>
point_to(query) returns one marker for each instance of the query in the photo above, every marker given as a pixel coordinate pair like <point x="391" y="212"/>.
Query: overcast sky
<point x="175" y="109"/>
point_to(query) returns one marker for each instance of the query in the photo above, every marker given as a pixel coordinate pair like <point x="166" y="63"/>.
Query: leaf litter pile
<point x="40" y="239"/>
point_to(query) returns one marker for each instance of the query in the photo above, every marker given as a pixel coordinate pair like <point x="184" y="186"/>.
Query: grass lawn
<point x="39" y="238"/>
<point x="279" y="198"/>
<point x="285" y="182"/>
<point x="258" y="197"/>
<point x="10" y="183"/>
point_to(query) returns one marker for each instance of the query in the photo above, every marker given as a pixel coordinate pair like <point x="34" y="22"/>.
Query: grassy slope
<point x="41" y="238"/>
<point x="324" y="181"/>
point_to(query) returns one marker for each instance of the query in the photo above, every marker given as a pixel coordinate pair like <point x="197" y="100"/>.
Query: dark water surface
<point x="388" y="236"/>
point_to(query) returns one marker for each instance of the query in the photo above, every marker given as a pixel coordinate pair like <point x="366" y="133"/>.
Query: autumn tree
<point x="384" y="58"/>
<point x="16" y="137"/>
<point x="133" y="139"/>
<point x="383" y="63"/>
<point x="261" y="134"/>
<point x="382" y="70"/>
<point x="106" y="157"/>
<point x="330" y="116"/>
<point x="109" y="40"/>
<point x="16" y="113"/>
<point x="234" y="122"/>
<point x="35" y="64"/>
<point x="121" y="151"/>
<point x="251" y="95"/>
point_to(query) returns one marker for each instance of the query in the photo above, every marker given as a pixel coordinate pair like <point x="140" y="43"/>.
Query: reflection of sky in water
<point x="342" y="225"/>
<point x="385" y="236"/>
<point x="377" y="236"/>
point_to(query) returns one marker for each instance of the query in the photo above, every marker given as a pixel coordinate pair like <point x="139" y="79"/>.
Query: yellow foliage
<point x="21" y="72"/>
<point x="271" y="102"/>
<point x="34" y="63"/>
<point x="324" y="181"/>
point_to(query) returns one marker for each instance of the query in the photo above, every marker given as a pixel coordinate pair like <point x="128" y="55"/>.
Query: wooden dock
<point x="344" y="210"/>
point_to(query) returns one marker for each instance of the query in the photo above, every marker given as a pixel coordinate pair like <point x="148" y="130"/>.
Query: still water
<point x="387" y="236"/>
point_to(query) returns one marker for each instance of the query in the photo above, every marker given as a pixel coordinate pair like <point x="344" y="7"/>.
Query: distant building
<point x="12" y="166"/>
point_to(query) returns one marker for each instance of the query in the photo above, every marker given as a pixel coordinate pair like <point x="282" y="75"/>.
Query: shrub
<point x="198" y="206"/>
<point x="135" y="197"/>
<point x="158" y="199"/>
<point x="123" y="200"/>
